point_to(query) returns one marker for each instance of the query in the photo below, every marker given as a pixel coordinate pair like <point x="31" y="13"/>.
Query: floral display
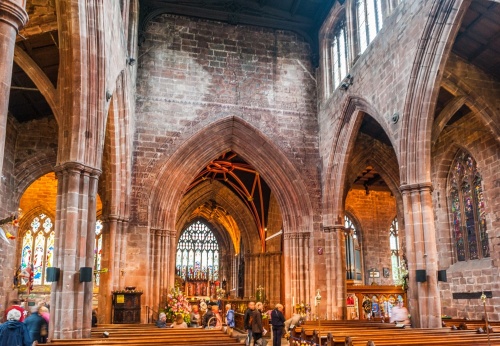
<point x="402" y="279"/>
<point x="177" y="304"/>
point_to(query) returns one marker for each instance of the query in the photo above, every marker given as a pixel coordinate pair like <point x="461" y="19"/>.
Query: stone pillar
<point x="335" y="272"/>
<point x="12" y="18"/>
<point x="297" y="271"/>
<point x="112" y="236"/>
<point x="71" y="300"/>
<point x="162" y="264"/>
<point x="424" y="298"/>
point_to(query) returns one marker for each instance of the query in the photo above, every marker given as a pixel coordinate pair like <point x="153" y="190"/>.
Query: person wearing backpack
<point x="14" y="332"/>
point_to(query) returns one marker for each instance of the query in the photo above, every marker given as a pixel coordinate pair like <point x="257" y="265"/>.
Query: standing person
<point x="229" y="319"/>
<point x="217" y="317"/>
<point x="246" y="322"/>
<point x="36" y="326"/>
<point x="257" y="328"/>
<point x="14" y="332"/>
<point x="16" y="304"/>
<point x="208" y="321"/>
<point x="278" y="323"/>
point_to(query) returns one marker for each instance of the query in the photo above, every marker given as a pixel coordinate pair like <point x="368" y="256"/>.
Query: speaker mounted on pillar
<point x="442" y="275"/>
<point x="52" y="274"/>
<point x="86" y="274"/>
<point x="421" y="275"/>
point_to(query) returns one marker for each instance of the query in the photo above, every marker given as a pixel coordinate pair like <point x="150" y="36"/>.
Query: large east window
<point x="369" y="20"/>
<point x="467" y="209"/>
<point x="198" y="253"/>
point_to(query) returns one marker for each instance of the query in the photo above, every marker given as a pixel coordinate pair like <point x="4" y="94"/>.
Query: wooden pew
<point x="143" y="335"/>
<point x="348" y="333"/>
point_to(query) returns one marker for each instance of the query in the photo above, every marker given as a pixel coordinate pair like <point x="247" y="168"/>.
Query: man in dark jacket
<point x="257" y="328"/>
<point x="246" y="322"/>
<point x="14" y="332"/>
<point x="278" y="322"/>
<point x="36" y="324"/>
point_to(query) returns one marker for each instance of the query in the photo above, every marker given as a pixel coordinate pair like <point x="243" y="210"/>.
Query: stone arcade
<point x="319" y="145"/>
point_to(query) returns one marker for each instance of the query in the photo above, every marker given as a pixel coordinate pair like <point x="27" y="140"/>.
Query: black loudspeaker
<point x="53" y="274"/>
<point x="421" y="275"/>
<point x="86" y="274"/>
<point x="442" y="275"/>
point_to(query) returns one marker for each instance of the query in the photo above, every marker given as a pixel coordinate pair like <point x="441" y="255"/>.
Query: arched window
<point x="97" y="251"/>
<point x="339" y="53"/>
<point x="394" y="245"/>
<point x="467" y="208"/>
<point x="353" y="251"/>
<point x="369" y="20"/>
<point x="198" y="253"/>
<point x="37" y="250"/>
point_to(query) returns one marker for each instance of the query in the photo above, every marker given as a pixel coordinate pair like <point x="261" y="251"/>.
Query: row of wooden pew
<point x="144" y="334"/>
<point x="357" y="333"/>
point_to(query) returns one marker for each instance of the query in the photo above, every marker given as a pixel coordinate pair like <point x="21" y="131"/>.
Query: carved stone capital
<point x="77" y="167"/>
<point x="13" y="14"/>
<point x="297" y="235"/>
<point x="417" y="187"/>
<point x="333" y="228"/>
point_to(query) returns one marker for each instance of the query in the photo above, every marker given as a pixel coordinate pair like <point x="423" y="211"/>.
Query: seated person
<point x="179" y="322"/>
<point x="195" y="316"/>
<point x="162" y="321"/>
<point x="209" y="319"/>
<point x="399" y="314"/>
<point x="218" y="318"/>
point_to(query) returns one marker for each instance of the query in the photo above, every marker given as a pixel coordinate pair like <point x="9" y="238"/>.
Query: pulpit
<point x="126" y="306"/>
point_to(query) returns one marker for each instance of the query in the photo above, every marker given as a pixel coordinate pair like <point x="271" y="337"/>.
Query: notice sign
<point x="120" y="299"/>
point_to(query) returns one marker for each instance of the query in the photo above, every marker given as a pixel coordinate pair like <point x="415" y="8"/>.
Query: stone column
<point x="424" y="298"/>
<point x="111" y="260"/>
<point x="162" y="265"/>
<point x="12" y="18"/>
<point x="71" y="300"/>
<point x="335" y="272"/>
<point x="297" y="271"/>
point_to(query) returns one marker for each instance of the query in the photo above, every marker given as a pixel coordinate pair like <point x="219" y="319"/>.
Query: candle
<point x="293" y="302"/>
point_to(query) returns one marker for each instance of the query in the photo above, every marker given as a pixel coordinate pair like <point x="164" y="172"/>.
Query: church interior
<point x="334" y="156"/>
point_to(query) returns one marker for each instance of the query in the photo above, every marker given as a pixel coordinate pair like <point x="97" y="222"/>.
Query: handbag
<point x="43" y="330"/>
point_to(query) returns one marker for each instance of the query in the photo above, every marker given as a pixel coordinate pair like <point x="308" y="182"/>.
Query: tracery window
<point x="37" y="249"/>
<point x="467" y="208"/>
<point x="198" y="253"/>
<point x="394" y="245"/>
<point x="339" y="53"/>
<point x="97" y="251"/>
<point x="353" y="251"/>
<point x="369" y="20"/>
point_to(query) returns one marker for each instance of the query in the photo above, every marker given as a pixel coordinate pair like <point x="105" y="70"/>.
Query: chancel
<point x="340" y="158"/>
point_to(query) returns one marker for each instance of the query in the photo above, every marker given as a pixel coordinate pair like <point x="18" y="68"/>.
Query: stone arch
<point x="225" y="198"/>
<point x="28" y="171"/>
<point x="344" y="139"/>
<point x="231" y="133"/>
<point x="416" y="126"/>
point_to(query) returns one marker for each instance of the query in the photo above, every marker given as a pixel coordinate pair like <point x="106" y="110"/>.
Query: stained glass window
<point x="353" y="251"/>
<point x="394" y="245"/>
<point x="369" y="17"/>
<point x="467" y="209"/>
<point x="97" y="251"/>
<point x="37" y="249"/>
<point x="197" y="255"/>
<point x="339" y="54"/>
<point x="37" y="252"/>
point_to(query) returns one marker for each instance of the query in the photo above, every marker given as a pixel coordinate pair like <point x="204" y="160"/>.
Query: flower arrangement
<point x="220" y="292"/>
<point x="402" y="278"/>
<point x="177" y="304"/>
